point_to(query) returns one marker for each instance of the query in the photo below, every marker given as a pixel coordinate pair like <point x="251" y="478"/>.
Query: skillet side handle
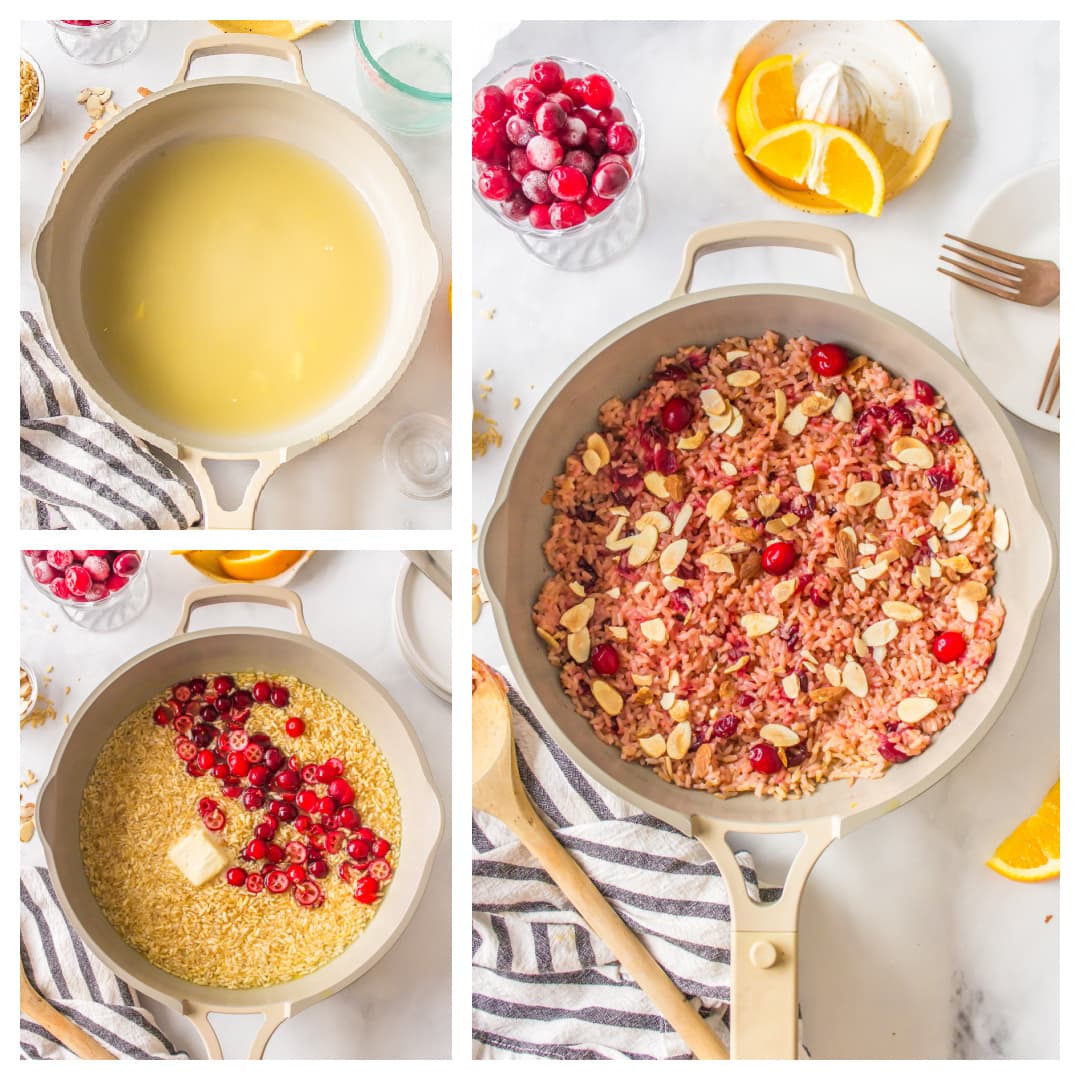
<point x="273" y="1017"/>
<point x="793" y="234"/>
<point x="493" y="553"/>
<point x="273" y="595"/>
<point x="215" y="516"/>
<point x="256" y="44"/>
<point x="764" y="947"/>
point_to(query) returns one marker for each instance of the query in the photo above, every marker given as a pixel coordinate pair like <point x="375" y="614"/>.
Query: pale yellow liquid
<point x="235" y="285"/>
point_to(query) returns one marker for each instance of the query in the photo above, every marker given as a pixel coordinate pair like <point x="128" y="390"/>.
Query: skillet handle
<point x="215" y="516"/>
<point x="242" y="594"/>
<point x="764" y="946"/>
<point x="794" y="234"/>
<point x="273" y="1017"/>
<point x="258" y="44"/>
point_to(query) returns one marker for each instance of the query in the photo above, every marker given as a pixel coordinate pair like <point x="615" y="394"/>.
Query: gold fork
<point x="1011" y="277"/>
<point x="1054" y="369"/>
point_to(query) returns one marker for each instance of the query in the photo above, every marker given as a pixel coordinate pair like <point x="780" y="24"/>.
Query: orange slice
<point x="830" y="160"/>
<point x="256" y="565"/>
<point x="1032" y="851"/>
<point x="766" y="100"/>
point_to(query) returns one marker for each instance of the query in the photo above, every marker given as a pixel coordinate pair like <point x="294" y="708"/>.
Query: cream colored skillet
<point x="238" y="649"/>
<point x="764" y="939"/>
<point x="193" y="109"/>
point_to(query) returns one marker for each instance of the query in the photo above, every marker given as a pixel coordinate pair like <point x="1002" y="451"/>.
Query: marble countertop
<point x="376" y="1016"/>
<point x="319" y="488"/>
<point x="902" y="925"/>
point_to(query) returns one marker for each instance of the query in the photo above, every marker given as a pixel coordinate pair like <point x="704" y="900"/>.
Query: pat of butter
<point x="199" y="857"/>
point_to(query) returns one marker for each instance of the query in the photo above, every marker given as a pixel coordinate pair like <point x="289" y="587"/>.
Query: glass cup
<point x="403" y="74"/>
<point x="113" y="610"/>
<point x="416" y="455"/>
<point x="601" y="238"/>
<point x="100" y="41"/>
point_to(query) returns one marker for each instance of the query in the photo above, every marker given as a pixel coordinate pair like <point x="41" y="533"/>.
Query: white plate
<point x="422" y="625"/>
<point x="1009" y="345"/>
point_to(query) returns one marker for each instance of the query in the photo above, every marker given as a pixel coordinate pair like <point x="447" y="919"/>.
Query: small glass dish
<point x="115" y="609"/>
<point x="598" y="239"/>
<point x="28" y="687"/>
<point x="416" y="456"/>
<point x="403" y="74"/>
<point x="100" y="41"/>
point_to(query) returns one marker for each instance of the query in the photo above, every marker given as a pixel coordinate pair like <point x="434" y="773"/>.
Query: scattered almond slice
<point x="957" y="518"/>
<point x="767" y="504"/>
<point x="728" y="469"/>
<point x="861" y="493"/>
<point x="832" y="673"/>
<point x="598" y="445"/>
<point x="607" y="697"/>
<point x="591" y="462"/>
<point x="842" y="409"/>
<point x="718" y="504"/>
<point x="913" y="709"/>
<point x="790" y="685"/>
<point x="757" y="623"/>
<point x="959" y="564"/>
<point x="549" y="639"/>
<point x="795" y="422"/>
<point x="653" y="746"/>
<point x="901" y="611"/>
<point x="875" y="570"/>
<point x="654" y="630"/>
<point x="883" y="510"/>
<point x="846" y="546"/>
<point x="958" y="534"/>
<point x="738" y="665"/>
<point x="578" y="644"/>
<point x="713" y="402"/>
<point x="671" y="582"/>
<point x="784" y="590"/>
<point x="678" y="742"/>
<point x="642" y="546"/>
<point x="577" y="617"/>
<point x="656" y="484"/>
<point x="968" y="597"/>
<point x="880" y="633"/>
<point x="736" y="424"/>
<point x="718" y="562"/>
<point x="921" y="575"/>
<point x="641" y="680"/>
<point x="613" y="541"/>
<point x="815" y="404"/>
<point x="780" y="404"/>
<point x="656" y="518"/>
<point x="939" y="514"/>
<point x="912" y="451"/>
<point x="667" y="699"/>
<point x="743" y="378"/>
<point x="805" y="475"/>
<point x="1000" y="533"/>
<point x="619" y="633"/>
<point x="735" y="354"/>
<point x="821" y="695"/>
<point x="680" y="710"/>
<point x="854" y="679"/>
<point x="779" y="735"/>
<point x="862" y="650"/>
<point x="672" y="556"/>
<point x="682" y="518"/>
<point x="692" y="442"/>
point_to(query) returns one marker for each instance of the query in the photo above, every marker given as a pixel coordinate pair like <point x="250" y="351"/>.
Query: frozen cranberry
<point x="340" y="790"/>
<point x="518" y="163"/>
<point x="948" y="647"/>
<point x="540" y="217"/>
<point x="77" y="580"/>
<point x="604" y="659"/>
<point x="235" y="876"/>
<point x="923" y="392"/>
<point x="568" y="183"/>
<point x="97" y="591"/>
<point x="725" y="726"/>
<point x="891" y="753"/>
<point x="948" y="435"/>
<point x="43" y="573"/>
<point x="544" y="152"/>
<point x="778" y="557"/>
<point x="574" y="132"/>
<point x="581" y="160"/>
<point x="609" y="180"/>
<point x="527" y="99"/>
<point x="621" y="138"/>
<point x="596" y="141"/>
<point x="597" y="91"/>
<point x="593" y="204"/>
<point x="575" y="90"/>
<point x="495" y="183"/>
<point x="519" y="131"/>
<point x="676" y="414"/>
<point x="59" y="560"/>
<point x="546" y="75"/>
<point x="485" y="139"/>
<point x="534" y="186"/>
<point x="564" y="101"/>
<point x="489" y="102"/>
<point x="829" y="360"/>
<point x="512" y="84"/>
<point x="566" y="215"/>
<point x="900" y="416"/>
<point x="33" y="554"/>
<point x="279" y="696"/>
<point x="763" y="758"/>
<point x="550" y="118"/>
<point x="97" y="567"/>
<point x="126" y="563"/>
<point x="261" y="691"/>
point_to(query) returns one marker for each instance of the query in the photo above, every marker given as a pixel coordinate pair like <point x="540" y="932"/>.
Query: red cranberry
<point x="829" y="360"/>
<point x="550" y="118"/>
<point x="192" y="769"/>
<point x="778" y="557"/>
<point x="519" y="131"/>
<point x="59" y="560"/>
<point x="42" y="572"/>
<point x="495" y="183"/>
<point x="261" y="691"/>
<point x="253" y="798"/>
<point x="77" y="580"/>
<point x="380" y="848"/>
<point x="259" y="775"/>
<point x="223" y="704"/>
<point x="568" y="183"/>
<point x="534" y="186"/>
<point x="544" y="152"/>
<point x="334" y="767"/>
<point x="98" y="568"/>
<point x="97" y="591"/>
<point x="574" y="133"/>
<point x="186" y="750"/>
<point x="575" y="90"/>
<point x="609" y="180"/>
<point x="214" y="820"/>
<point x="725" y="726"/>
<point x="941" y="478"/>
<point x="795" y="755"/>
<point x="566" y="215"/>
<point x="275" y="853"/>
<point x="274" y="758"/>
<point x="518" y="164"/>
<point x="220" y="771"/>
<point x="900" y="416"/>
<point x="265" y="829"/>
<point x="294" y="727"/>
<point x="256" y="849"/>
<point x="819" y="595"/>
<point x="597" y="91"/>
<point x="489" y="102"/>
<point x="205" y="805"/>
<point x="318" y="868"/>
<point x="205" y="759"/>
<point x="341" y="790"/>
<point x="948" y="435"/>
<point x="547" y="75"/>
<point x="581" y="160"/>
<point x="923" y="392"/>
<point x="235" y="876"/>
<point x="223" y="684"/>
<point x="307" y="800"/>
<point x="254" y="883"/>
<point x="161" y="716"/>
<point x="367" y="890"/>
<point x="527" y="99"/>
<point x="238" y="763"/>
<point x="277" y="881"/>
<point x="676" y="414"/>
<point x="380" y="870"/>
<point x="308" y="894"/>
<point x="664" y="461"/>
<point x="621" y="138"/>
<point x="593" y="204"/>
<point x="604" y="659"/>
<point x="279" y="696"/>
<point x="348" y="817"/>
<point x="948" y="647"/>
<point x="539" y="218"/>
<point x="891" y="753"/>
<point x="287" y="780"/>
<point x="296" y="873"/>
<point x="512" y="84"/>
<point x="232" y="790"/>
<point x="763" y="758"/>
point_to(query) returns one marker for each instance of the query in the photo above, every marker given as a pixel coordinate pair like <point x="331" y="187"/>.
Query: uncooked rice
<point x="139" y="801"/>
<point x="713" y="661"/>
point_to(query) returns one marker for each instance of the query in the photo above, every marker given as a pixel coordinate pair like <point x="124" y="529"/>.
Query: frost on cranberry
<point x="489" y="102"/>
<point x="581" y="160"/>
<point x="496" y="183"/>
<point x="546" y="75"/>
<point x="534" y="186"/>
<point x="566" y="215"/>
<point x="568" y="183"/>
<point x="519" y="131"/>
<point x="573" y="132"/>
<point x="610" y="180"/>
<point x="516" y="208"/>
<point x="527" y="99"/>
<point x="518" y="163"/>
<point x="550" y="118"/>
<point x="621" y="139"/>
<point x="544" y="152"/>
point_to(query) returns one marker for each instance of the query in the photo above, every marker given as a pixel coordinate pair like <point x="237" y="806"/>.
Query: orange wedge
<point x="766" y="100"/>
<point x="1032" y="851"/>
<point x="256" y="565"/>
<point x="830" y="160"/>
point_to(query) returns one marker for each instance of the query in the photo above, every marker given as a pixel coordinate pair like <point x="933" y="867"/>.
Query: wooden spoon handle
<point x="58" y="1025"/>
<point x="609" y="927"/>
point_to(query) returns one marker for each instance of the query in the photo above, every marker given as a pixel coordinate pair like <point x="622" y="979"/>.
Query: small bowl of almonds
<point x="28" y="689"/>
<point x="31" y="96"/>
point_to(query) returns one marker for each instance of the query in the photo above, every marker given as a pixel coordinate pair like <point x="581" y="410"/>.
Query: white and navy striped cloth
<point x="63" y="970"/>
<point x="79" y="469"/>
<point x="543" y="985"/>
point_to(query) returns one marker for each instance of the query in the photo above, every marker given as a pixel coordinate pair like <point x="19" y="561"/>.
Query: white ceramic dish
<point x="421" y="614"/>
<point x="32" y="122"/>
<point x="1008" y="345"/>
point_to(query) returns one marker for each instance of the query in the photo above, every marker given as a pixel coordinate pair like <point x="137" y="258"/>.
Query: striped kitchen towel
<point x="79" y="469"/>
<point x="63" y="970"/>
<point x="543" y="985"/>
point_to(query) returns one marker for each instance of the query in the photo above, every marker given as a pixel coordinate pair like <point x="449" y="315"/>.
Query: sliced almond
<point x="720" y="424"/>
<point x="815" y="404"/>
<point x="736" y="424"/>
<point x="854" y="679"/>
<point x="879" y="654"/>
<point x="654" y="630"/>
<point x="767" y="504"/>
<point x="653" y="746"/>
<point x="795" y="422"/>
<point x="957" y="518"/>
<point x="743" y="378"/>
<point x="757" y="623"/>
<point x="750" y="567"/>
<point x="779" y="735"/>
<point x="780" y="404"/>
<point x="775" y="527"/>
<point x="1000" y="532"/>
<point x="692" y="442"/>
<point x="619" y="633"/>
<point x="656" y="518"/>
<point x="845" y="546"/>
<point x="790" y="685"/>
<point x="735" y="354"/>
<point x="737" y="666"/>
<point x="939" y="514"/>
<point x="861" y="493"/>
<point x="680" y="710"/>
<point x="728" y="469"/>
<point x="607" y="697"/>
<point x="901" y="611"/>
<point x="958" y="534"/>
<point x="672" y="556"/>
<point x="671" y="582"/>
<point x="702" y="761"/>
<point x="784" y="590"/>
<point x="591" y="462"/>
<point x="642" y="546"/>
<point x="678" y="742"/>
<point x="577" y="588"/>
<point x="912" y="451"/>
<point x="579" y="615"/>
<point x="578" y="644"/>
<point x="598" y="445"/>
<point x="968" y="597"/>
<point x="806" y="475"/>
<point x="842" y="409"/>
<point x="718" y="562"/>
<point x="862" y="650"/>
<point x="614" y="541"/>
<point x="934" y="544"/>
<point x="883" y="510"/>
<point x="718" y="504"/>
<point x="905" y="547"/>
<point x="667" y="699"/>
<point x="880" y="633"/>
<point x="641" y="680"/>
<point x="832" y="673"/>
<point x="922" y="575"/>
<point x="682" y="518"/>
<point x="913" y="709"/>
<point x="656" y="484"/>
<point x="821" y="695"/>
<point x="868" y="549"/>
<point x="859" y="581"/>
<point x="959" y="564"/>
<point x="549" y="639"/>
<point x="713" y="402"/>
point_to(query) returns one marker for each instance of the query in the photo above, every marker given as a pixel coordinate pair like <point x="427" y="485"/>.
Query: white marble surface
<point x="903" y="927"/>
<point x="319" y="489"/>
<point x="375" y="1017"/>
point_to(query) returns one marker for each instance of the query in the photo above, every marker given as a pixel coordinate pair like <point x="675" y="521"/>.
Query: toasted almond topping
<point x="579" y="615"/>
<point x="642" y="546"/>
<point x="767" y="504"/>
<point x="939" y="514"/>
<point x="673" y="679"/>
<point x="750" y="567"/>
<point x="854" y="679"/>
<point x="865" y="491"/>
<point x="598" y="445"/>
<point x="957" y="518"/>
<point x="547" y="638"/>
<point x="738" y="665"/>
<point x="667" y="699"/>
<point x="913" y="709"/>
<point x="862" y="650"/>
<point x="736" y="424"/>
<point x="790" y="685"/>
<point x="678" y="742"/>
<point x="620" y="511"/>
<point x="653" y="746"/>
<point x="815" y="404"/>
<point x="682" y="518"/>
<point x="901" y="611"/>
<point x="958" y="534"/>
<point x="577" y="588"/>
<point x="934" y="544"/>
<point x="912" y="451"/>
<point x="832" y="673"/>
<point x="880" y="633"/>
<point x="672" y="556"/>
<point x="656" y="484"/>
<point x="780" y="402"/>
<point x="680" y="710"/>
<point x="692" y="442"/>
<point x="935" y="568"/>
<point x="845" y="546"/>
<point x="713" y="402"/>
<point x="654" y="630"/>
<point x="614" y="592"/>
<point x="779" y="735"/>
<point x="736" y="354"/>
<point x="702" y="761"/>
<point x="578" y="645"/>
<point x="718" y="504"/>
<point x="784" y="590"/>
<point x="757" y="623"/>
<point x="795" y="422"/>
<point x="656" y="518"/>
<point x="922" y="575"/>
<point x="613" y="541"/>
<point x="822" y="694"/>
<point x="868" y="549"/>
<point x="1000" y="533"/>
<point x="858" y="581"/>
<point x="968" y="596"/>
<point x="842" y="409"/>
<point x="671" y="583"/>
<point x="745" y="377"/>
<point x="640" y="587"/>
<point x="607" y="697"/>
<point x="775" y="527"/>
<point x="727" y="468"/>
<point x="905" y="547"/>
<point x="718" y="562"/>
<point x="806" y="475"/>
<point x="883" y="510"/>
<point x="719" y="424"/>
<point x="641" y="680"/>
<point x="960" y="564"/>
<point x="619" y="633"/>
<point x="591" y="461"/>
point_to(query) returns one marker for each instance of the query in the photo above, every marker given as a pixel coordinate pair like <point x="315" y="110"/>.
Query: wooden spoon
<point x="34" y="1006"/>
<point x="497" y="790"/>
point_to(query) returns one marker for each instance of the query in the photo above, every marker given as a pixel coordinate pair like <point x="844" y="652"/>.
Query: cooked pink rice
<point x="693" y="677"/>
